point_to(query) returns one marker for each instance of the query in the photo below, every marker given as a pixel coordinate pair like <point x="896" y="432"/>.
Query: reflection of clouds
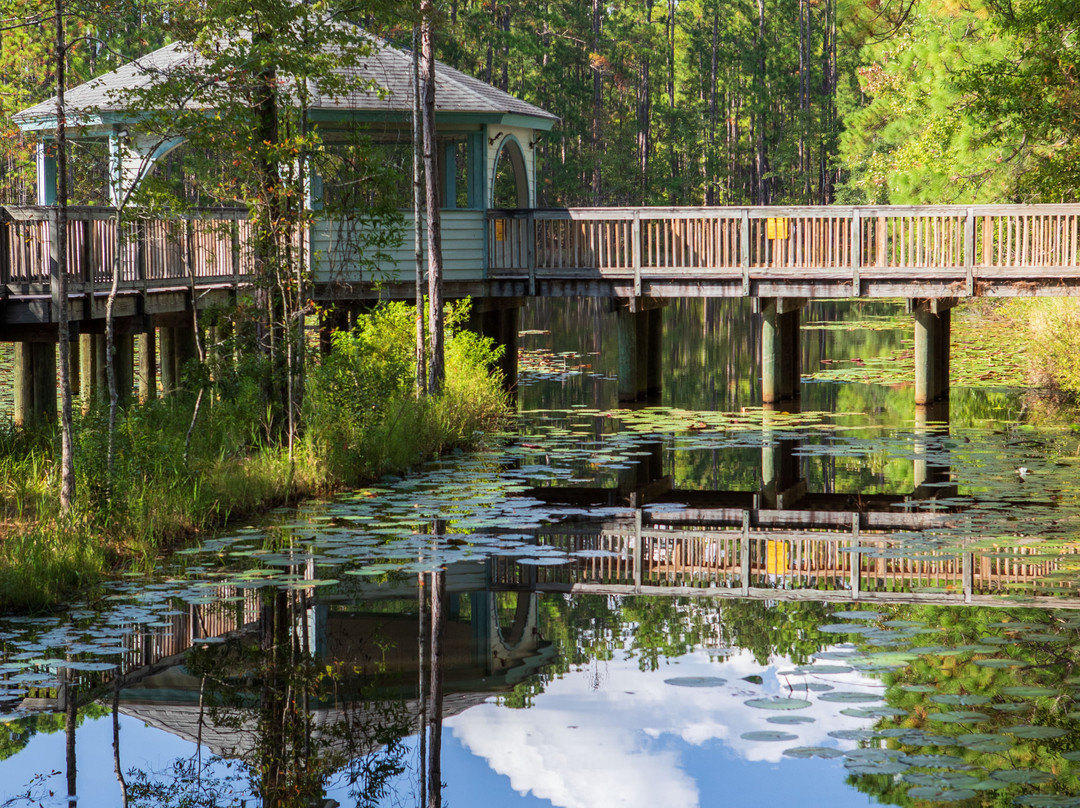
<point x="582" y="747"/>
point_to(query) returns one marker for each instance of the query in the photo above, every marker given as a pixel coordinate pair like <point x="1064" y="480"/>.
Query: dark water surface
<point x="694" y="603"/>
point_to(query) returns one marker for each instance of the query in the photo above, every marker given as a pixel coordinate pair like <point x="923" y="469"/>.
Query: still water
<point x="694" y="603"/>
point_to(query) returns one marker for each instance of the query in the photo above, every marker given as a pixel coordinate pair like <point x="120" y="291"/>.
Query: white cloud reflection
<point x="604" y="736"/>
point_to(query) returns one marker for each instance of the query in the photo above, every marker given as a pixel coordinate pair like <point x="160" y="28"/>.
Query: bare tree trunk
<point x="643" y="110"/>
<point x="67" y="447"/>
<point x="712" y="162"/>
<point x="597" y="104"/>
<point x="762" y="195"/>
<point x="110" y="348"/>
<point x="437" y="369"/>
<point x="418" y="216"/>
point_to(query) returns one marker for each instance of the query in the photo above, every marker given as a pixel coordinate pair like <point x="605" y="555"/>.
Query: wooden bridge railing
<point x="209" y="246"/>
<point x="779" y="558"/>
<point x="962" y="242"/>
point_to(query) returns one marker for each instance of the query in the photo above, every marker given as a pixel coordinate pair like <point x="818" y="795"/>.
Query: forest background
<point x="718" y="102"/>
<point x="662" y="102"/>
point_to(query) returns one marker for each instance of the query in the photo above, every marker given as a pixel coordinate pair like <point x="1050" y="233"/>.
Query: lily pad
<point x="805" y="752"/>
<point x="768" y="735"/>
<point x="777" y="703"/>
<point x="696" y="681"/>
<point x="790" y="719"/>
<point x="849" y="697"/>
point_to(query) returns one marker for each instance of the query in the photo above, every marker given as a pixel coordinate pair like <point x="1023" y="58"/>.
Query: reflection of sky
<point x="614" y="736"/>
<point x="41" y="767"/>
<point x="607" y="735"/>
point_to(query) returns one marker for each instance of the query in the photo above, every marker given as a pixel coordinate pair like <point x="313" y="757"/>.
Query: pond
<point x="695" y="602"/>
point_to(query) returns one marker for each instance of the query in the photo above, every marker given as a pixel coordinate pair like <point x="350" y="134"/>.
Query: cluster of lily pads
<point x="957" y="718"/>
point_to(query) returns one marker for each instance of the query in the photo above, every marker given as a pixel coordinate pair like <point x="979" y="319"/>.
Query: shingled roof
<point x="389" y="69"/>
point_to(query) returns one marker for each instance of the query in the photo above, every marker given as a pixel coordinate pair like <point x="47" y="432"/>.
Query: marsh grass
<point x="362" y="421"/>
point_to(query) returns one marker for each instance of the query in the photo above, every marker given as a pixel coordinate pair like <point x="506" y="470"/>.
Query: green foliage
<point x="362" y="414"/>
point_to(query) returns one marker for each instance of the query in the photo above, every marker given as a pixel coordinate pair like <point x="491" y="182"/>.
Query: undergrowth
<point x="362" y="420"/>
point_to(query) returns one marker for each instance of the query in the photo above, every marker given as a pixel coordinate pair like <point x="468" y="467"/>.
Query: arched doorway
<point x="510" y="180"/>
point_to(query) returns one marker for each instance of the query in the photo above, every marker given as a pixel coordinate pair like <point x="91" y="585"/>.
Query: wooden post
<point x="635" y="258"/>
<point x="639" y="554"/>
<point x="147" y="366"/>
<point x="744" y="555"/>
<point x="24" y="384"/>
<point x="124" y="367"/>
<point x="780" y="349"/>
<point x="744" y="250"/>
<point x="969" y="252"/>
<point x="856" y="559"/>
<point x="931" y="355"/>
<point x="856" y="253"/>
<point x="167" y="351"/>
<point x="530" y="249"/>
<point x="87" y="371"/>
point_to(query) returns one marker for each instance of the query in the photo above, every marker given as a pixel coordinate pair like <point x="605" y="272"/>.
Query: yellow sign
<point x="777" y="558"/>
<point x="500" y="229"/>
<point x="776" y="228"/>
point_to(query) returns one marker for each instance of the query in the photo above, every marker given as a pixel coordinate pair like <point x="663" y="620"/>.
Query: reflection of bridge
<point x="795" y="555"/>
<point x="782" y="482"/>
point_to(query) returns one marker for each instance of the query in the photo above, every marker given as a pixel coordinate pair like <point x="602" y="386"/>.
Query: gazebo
<point x="491" y="125"/>
<point x="483" y="134"/>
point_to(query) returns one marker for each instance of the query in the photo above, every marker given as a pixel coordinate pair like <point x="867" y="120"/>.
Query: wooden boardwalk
<point x="928" y="252"/>
<point x="940" y="251"/>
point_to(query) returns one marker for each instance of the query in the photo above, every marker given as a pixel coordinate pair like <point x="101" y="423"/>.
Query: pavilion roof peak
<point x="388" y="69"/>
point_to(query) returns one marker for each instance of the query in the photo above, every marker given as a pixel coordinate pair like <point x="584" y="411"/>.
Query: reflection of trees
<point x="1047" y="648"/>
<point x="653" y="628"/>
<point x="293" y="735"/>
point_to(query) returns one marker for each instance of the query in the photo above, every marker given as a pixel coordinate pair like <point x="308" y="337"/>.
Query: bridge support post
<point x="35" y="383"/>
<point x="335" y="319"/>
<point x="167" y="349"/>
<point x="780" y="349"/>
<point x="123" y="367"/>
<point x="932" y="471"/>
<point x="932" y="329"/>
<point x="782" y="481"/>
<point x="92" y="387"/>
<point x="147" y="366"/>
<point x="177" y="347"/>
<point x="639" y="326"/>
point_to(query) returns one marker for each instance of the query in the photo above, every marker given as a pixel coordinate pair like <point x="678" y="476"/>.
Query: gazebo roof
<point x="458" y="97"/>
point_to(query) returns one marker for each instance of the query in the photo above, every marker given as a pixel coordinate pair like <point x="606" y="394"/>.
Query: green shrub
<point x="363" y="418"/>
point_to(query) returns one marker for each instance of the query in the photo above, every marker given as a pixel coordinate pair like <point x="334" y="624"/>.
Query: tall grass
<point x="1050" y="328"/>
<point x="362" y="420"/>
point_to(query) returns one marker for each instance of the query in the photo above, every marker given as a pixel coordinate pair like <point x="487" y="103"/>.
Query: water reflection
<point x="595" y="700"/>
<point x="636" y="606"/>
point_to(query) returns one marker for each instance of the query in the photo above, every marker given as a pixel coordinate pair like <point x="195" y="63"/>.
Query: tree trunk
<point x="431" y="181"/>
<point x="598" y="107"/>
<point x="67" y="448"/>
<point x="418" y="216"/>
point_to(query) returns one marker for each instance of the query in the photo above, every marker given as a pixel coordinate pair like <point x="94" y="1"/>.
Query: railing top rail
<point x="40" y="213"/>
<point x="793" y="211"/>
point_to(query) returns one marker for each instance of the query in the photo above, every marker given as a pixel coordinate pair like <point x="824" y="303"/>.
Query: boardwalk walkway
<point x="932" y="256"/>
